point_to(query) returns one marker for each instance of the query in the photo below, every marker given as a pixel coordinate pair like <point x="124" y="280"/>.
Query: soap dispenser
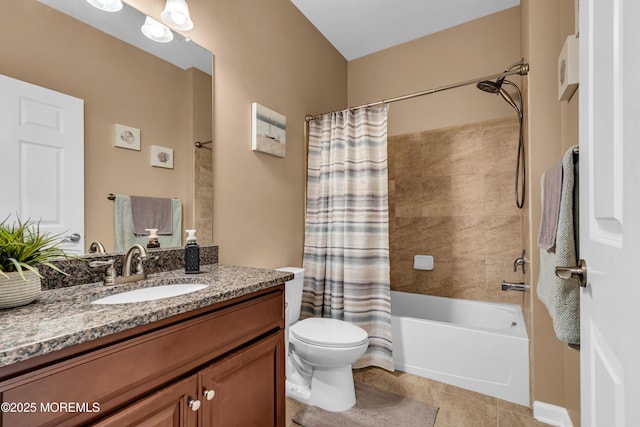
<point x="153" y="238"/>
<point x="191" y="253"/>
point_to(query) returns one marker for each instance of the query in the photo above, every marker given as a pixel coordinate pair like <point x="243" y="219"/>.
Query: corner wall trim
<point x="551" y="414"/>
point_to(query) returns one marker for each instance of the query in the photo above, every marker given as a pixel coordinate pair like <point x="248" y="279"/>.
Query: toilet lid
<point x="328" y="332"/>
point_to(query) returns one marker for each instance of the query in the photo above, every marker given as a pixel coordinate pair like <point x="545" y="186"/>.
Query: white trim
<point x="551" y="414"/>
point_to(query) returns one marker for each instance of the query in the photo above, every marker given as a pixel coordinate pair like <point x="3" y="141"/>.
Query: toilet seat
<point x="327" y="332"/>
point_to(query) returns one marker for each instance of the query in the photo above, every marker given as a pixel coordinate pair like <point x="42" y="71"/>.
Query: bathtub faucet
<point x="520" y="261"/>
<point x="507" y="286"/>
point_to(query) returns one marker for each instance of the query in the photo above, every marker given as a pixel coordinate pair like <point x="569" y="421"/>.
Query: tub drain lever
<point x="507" y="286"/>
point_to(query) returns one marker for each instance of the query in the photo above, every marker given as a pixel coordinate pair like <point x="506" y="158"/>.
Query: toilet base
<point x="332" y="389"/>
<point x="298" y="392"/>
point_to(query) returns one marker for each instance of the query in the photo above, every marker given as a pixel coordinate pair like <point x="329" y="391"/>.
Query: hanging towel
<point x="560" y="296"/>
<point x="124" y="235"/>
<point x="551" y="191"/>
<point x="151" y="212"/>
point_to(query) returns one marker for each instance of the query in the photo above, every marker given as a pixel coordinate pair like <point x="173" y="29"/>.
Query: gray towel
<point x="151" y="212"/>
<point x="560" y="296"/>
<point x="551" y="191"/>
<point x="124" y="236"/>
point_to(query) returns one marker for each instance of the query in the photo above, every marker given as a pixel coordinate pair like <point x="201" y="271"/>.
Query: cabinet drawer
<point x="122" y="372"/>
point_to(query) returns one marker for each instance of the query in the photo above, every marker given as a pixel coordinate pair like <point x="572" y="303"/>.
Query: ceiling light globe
<point x="155" y="31"/>
<point x="176" y="15"/>
<point x="106" y="5"/>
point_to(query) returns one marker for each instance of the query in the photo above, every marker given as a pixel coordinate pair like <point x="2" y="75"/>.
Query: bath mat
<point x="374" y="407"/>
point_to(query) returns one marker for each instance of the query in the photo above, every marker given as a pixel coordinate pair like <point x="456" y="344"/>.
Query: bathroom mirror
<point x="121" y="84"/>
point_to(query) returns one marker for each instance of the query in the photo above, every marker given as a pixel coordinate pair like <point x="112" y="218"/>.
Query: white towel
<point x="560" y="296"/>
<point x="124" y="235"/>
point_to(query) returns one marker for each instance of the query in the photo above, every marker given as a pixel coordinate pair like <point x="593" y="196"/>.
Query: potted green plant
<point x="23" y="246"/>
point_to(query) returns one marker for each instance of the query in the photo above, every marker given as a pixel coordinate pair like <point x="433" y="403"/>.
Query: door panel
<point x="609" y="212"/>
<point x="42" y="142"/>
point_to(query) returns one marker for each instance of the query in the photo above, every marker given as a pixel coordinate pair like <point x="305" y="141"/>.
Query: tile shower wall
<point x="203" y="194"/>
<point x="451" y="195"/>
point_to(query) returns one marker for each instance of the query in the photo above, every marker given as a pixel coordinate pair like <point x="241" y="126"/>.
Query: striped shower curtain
<point x="346" y="249"/>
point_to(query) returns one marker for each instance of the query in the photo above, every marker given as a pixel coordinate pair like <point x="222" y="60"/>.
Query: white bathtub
<point x="475" y="345"/>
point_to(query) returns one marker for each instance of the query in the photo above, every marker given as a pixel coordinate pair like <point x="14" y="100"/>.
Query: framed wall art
<point x="269" y="131"/>
<point x="126" y="137"/>
<point x="161" y="157"/>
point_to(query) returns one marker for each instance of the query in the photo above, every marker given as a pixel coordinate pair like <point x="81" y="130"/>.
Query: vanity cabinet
<point x="170" y="406"/>
<point x="241" y="390"/>
<point x="218" y="366"/>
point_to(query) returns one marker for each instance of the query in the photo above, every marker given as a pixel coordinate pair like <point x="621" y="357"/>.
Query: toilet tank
<point x="293" y="292"/>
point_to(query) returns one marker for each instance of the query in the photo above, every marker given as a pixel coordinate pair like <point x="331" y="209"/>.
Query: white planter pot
<point x="16" y="291"/>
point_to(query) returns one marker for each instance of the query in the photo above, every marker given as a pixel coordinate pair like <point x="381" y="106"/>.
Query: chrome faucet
<point x="507" y="286"/>
<point x="97" y="247"/>
<point x="520" y="261"/>
<point x="136" y="254"/>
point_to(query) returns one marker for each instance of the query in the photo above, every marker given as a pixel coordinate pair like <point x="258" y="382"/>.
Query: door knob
<point x="75" y="237"/>
<point x="578" y="272"/>
<point x="209" y="394"/>
<point x="194" y="404"/>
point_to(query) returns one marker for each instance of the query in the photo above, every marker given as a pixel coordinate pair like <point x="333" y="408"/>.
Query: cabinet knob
<point x="209" y="394"/>
<point x="194" y="404"/>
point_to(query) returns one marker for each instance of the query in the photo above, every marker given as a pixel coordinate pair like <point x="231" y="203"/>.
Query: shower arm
<point x="520" y="67"/>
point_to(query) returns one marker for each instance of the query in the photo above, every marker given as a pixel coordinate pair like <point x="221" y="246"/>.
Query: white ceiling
<point x="360" y="27"/>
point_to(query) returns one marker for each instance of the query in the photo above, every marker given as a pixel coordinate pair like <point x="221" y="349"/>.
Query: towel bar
<point x="112" y="196"/>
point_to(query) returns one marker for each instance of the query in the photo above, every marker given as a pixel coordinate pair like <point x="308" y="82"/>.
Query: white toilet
<point x="320" y="352"/>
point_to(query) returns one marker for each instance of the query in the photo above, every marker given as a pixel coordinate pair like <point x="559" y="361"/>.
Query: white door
<point x="42" y="159"/>
<point x="610" y="212"/>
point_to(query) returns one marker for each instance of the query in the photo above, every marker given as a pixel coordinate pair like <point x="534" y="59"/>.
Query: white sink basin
<point x="152" y="293"/>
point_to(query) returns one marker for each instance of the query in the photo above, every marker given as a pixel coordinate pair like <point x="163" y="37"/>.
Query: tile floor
<point x="458" y="407"/>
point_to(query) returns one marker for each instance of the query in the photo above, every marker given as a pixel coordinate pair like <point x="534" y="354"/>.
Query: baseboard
<point x="551" y="414"/>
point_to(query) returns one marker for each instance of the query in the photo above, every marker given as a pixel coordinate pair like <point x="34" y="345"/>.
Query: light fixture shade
<point x="156" y="31"/>
<point x="176" y="15"/>
<point x="106" y="5"/>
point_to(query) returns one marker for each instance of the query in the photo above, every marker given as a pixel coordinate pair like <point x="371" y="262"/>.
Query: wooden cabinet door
<point x="247" y="386"/>
<point x="168" y="407"/>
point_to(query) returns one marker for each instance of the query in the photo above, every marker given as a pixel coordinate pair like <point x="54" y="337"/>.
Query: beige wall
<point x="451" y="196"/>
<point x="265" y="52"/>
<point x="477" y="48"/>
<point x="553" y="127"/>
<point x="119" y="84"/>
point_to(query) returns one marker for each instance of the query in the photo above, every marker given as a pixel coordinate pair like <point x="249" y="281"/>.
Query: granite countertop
<point x="64" y="317"/>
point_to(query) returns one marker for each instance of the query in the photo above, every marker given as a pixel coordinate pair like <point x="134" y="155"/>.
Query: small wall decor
<point x="126" y="137"/>
<point x="269" y="131"/>
<point x="161" y="157"/>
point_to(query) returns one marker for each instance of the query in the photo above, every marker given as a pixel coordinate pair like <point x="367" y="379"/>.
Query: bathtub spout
<point x="506" y="286"/>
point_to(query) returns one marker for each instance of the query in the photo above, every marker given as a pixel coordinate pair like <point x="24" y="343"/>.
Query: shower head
<point x="496" y="87"/>
<point x="489" y="86"/>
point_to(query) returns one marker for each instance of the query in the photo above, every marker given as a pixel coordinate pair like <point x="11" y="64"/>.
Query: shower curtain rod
<point x="523" y="70"/>
<point x="200" y="144"/>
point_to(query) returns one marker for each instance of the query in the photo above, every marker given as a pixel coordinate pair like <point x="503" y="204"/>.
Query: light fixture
<point x="156" y="31"/>
<point x="106" y="5"/>
<point x="176" y="15"/>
